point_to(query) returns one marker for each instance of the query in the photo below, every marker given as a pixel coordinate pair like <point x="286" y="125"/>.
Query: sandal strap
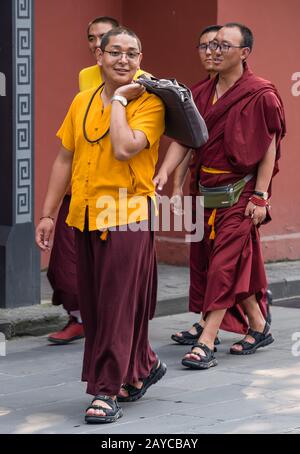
<point x="204" y="347"/>
<point x="257" y="335"/>
<point x="188" y="335"/>
<point x="198" y="328"/>
<point x="111" y="402"/>
<point x="130" y="388"/>
<point x="104" y="398"/>
<point x="245" y="344"/>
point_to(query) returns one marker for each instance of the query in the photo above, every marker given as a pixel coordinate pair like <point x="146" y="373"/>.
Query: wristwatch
<point x="121" y="99"/>
<point x="263" y="195"/>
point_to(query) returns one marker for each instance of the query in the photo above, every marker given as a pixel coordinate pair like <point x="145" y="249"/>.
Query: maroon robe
<point x="117" y="284"/>
<point x="62" y="265"/>
<point x="241" y="126"/>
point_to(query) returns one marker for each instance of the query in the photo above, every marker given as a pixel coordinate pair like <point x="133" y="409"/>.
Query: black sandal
<point x="157" y="372"/>
<point x="261" y="340"/>
<point x="111" y="414"/>
<point x="187" y="338"/>
<point x="204" y="362"/>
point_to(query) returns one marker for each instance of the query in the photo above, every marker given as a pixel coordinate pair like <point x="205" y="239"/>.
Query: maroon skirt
<point x="228" y="269"/>
<point x="117" y="284"/>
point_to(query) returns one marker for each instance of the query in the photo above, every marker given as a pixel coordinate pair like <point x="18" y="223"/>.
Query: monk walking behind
<point x="245" y="119"/>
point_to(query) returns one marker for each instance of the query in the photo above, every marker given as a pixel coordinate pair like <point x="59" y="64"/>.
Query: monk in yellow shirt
<point x="110" y="140"/>
<point x="62" y="267"/>
<point x="92" y="75"/>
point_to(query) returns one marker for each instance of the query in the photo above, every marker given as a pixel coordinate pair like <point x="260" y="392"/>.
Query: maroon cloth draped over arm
<point x="241" y="123"/>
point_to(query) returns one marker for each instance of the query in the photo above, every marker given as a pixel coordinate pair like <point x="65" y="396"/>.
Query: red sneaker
<point x="72" y="331"/>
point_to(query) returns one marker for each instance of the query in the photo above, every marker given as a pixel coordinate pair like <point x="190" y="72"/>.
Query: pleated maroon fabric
<point x="117" y="286"/>
<point x="230" y="268"/>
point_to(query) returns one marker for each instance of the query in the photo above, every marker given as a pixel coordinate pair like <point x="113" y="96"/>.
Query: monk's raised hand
<point x="43" y="233"/>
<point x="130" y="91"/>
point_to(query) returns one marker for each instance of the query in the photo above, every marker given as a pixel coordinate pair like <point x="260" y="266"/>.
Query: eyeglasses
<point x="224" y="47"/>
<point x="203" y="47"/>
<point x="131" y="55"/>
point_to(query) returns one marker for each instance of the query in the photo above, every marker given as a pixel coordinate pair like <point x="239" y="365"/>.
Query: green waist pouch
<point x="223" y="196"/>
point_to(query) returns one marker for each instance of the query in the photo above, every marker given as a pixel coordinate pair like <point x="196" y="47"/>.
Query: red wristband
<point x="258" y="201"/>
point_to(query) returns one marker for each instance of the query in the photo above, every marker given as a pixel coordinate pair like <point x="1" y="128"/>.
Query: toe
<point x="237" y="348"/>
<point x="191" y="356"/>
<point x="123" y="392"/>
<point x="98" y="411"/>
<point x="95" y="413"/>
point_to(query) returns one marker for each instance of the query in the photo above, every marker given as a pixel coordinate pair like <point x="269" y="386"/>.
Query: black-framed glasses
<point x="203" y="47"/>
<point x="224" y="47"/>
<point x="131" y="55"/>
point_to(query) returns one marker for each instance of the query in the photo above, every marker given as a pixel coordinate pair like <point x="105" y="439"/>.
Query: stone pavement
<point x="173" y="282"/>
<point x="41" y="393"/>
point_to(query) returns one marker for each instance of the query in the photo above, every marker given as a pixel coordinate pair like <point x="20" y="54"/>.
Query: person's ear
<point x="140" y="59"/>
<point x="245" y="53"/>
<point x="99" y="56"/>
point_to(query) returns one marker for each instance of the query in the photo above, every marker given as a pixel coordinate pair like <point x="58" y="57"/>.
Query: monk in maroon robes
<point x="62" y="276"/>
<point x="180" y="174"/>
<point x="245" y="119"/>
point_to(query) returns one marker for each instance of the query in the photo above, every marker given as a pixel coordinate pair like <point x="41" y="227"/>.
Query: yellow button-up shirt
<point x="108" y="187"/>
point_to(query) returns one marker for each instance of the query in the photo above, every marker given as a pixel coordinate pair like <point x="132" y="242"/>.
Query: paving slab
<point x="41" y="391"/>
